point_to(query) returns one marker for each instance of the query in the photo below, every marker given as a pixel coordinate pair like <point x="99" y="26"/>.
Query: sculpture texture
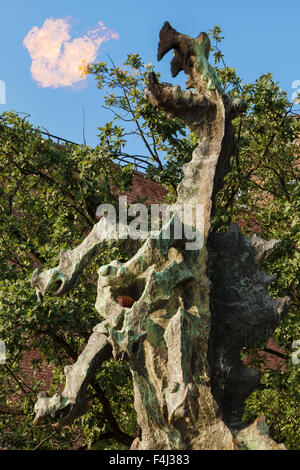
<point x="194" y="310"/>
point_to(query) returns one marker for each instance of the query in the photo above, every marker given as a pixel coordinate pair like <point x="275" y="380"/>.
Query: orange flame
<point x="55" y="57"/>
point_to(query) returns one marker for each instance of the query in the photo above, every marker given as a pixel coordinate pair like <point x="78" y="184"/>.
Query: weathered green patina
<point x="188" y="379"/>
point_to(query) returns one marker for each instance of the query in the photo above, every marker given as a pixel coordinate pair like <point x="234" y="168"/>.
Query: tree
<point x="48" y="200"/>
<point x="35" y="175"/>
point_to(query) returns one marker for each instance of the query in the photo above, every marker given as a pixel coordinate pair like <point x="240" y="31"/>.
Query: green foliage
<point x="115" y="381"/>
<point x="278" y="398"/>
<point x="48" y="200"/>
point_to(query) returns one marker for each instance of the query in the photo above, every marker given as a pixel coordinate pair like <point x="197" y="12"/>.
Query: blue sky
<point x="260" y="36"/>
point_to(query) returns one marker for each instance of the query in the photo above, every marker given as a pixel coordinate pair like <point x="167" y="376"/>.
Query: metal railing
<point x="139" y="163"/>
<point x="58" y="139"/>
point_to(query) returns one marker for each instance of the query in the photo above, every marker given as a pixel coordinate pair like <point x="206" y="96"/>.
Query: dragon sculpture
<point x="194" y="310"/>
